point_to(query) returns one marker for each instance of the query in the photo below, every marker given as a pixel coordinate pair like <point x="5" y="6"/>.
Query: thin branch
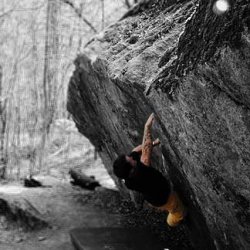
<point x="79" y="14"/>
<point x="38" y="7"/>
<point x="127" y="3"/>
<point x="6" y="13"/>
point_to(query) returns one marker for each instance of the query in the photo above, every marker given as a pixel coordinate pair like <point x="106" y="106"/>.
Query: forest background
<point x="39" y="41"/>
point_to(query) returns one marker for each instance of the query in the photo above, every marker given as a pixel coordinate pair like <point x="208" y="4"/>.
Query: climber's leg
<point x="175" y="208"/>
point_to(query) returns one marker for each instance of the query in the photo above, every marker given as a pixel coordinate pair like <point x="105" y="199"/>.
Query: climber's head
<point x="123" y="165"/>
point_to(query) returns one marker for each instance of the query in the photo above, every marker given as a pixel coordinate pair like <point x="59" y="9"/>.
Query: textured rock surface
<point x="200" y="96"/>
<point x="21" y="211"/>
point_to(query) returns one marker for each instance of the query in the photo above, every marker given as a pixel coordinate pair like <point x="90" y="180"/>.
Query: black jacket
<point x="148" y="181"/>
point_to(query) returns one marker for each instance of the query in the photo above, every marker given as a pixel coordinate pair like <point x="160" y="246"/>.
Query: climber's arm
<point x="147" y="142"/>
<point x="139" y="147"/>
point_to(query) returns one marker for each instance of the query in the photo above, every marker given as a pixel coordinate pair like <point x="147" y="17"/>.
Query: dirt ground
<point x="60" y="205"/>
<point x="66" y="207"/>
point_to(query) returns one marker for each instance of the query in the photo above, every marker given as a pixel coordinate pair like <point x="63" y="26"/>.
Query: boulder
<point x="190" y="67"/>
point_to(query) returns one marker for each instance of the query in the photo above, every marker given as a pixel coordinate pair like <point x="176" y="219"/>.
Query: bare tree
<point x="3" y="157"/>
<point x="35" y="96"/>
<point x="36" y="61"/>
<point x="50" y="71"/>
<point x="79" y="14"/>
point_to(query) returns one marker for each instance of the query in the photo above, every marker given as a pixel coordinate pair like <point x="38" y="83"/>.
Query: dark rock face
<point x="200" y="96"/>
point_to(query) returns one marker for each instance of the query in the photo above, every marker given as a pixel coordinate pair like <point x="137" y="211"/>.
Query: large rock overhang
<point x="191" y="68"/>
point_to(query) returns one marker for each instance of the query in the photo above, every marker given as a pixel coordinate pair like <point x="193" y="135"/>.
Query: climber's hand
<point x="150" y="121"/>
<point x="156" y="142"/>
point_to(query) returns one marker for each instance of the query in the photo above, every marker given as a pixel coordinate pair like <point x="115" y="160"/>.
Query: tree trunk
<point x="103" y="14"/>
<point x="3" y="158"/>
<point x="50" y="72"/>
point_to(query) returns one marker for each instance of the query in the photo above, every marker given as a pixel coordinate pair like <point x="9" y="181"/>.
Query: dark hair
<point x="121" y="167"/>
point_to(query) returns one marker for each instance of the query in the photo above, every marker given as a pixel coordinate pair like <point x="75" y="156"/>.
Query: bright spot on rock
<point x="221" y="6"/>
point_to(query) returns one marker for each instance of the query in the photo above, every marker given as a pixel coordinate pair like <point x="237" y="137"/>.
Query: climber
<point x="135" y="169"/>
